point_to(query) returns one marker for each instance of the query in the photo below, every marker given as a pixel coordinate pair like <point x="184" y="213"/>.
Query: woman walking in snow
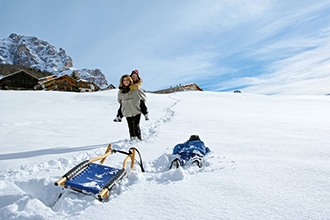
<point x="130" y="98"/>
<point x="137" y="82"/>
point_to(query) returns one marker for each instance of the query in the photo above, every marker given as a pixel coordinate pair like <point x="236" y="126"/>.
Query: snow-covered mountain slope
<point x="269" y="160"/>
<point x="29" y="51"/>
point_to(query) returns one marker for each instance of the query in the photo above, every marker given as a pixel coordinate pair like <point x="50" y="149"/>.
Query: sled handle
<point x="131" y="156"/>
<point x="102" y="157"/>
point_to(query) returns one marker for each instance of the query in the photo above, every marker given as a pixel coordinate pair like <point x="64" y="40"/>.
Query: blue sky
<point x="258" y="45"/>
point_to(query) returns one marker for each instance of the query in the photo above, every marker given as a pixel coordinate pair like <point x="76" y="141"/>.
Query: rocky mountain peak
<point x="29" y="51"/>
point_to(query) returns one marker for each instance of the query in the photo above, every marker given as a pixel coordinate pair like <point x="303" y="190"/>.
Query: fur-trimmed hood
<point x="136" y="85"/>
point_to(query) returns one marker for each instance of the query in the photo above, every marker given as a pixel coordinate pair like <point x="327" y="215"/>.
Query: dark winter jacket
<point x="191" y="147"/>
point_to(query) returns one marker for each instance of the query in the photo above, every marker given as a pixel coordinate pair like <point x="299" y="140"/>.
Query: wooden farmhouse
<point x="85" y="86"/>
<point x="180" y="88"/>
<point x="20" y="80"/>
<point x="60" y="83"/>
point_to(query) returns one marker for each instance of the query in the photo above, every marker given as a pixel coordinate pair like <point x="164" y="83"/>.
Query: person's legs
<point x="136" y="126"/>
<point x="130" y="123"/>
<point x="185" y="157"/>
<point x="144" y="109"/>
<point x="119" y="115"/>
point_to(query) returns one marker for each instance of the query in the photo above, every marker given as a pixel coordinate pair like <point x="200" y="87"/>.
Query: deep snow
<point x="269" y="160"/>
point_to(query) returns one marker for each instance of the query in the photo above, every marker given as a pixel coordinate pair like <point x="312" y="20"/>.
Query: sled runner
<point x="96" y="179"/>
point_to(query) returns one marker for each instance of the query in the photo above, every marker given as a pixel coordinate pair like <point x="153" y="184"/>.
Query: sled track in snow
<point x="169" y="114"/>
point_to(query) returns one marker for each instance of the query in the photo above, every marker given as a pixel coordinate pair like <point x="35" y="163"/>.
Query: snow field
<point x="269" y="156"/>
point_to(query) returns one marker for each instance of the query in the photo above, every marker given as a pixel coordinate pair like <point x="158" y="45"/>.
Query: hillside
<point x="269" y="160"/>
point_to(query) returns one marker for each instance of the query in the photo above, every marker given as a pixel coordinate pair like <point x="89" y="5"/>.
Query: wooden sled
<point x="96" y="179"/>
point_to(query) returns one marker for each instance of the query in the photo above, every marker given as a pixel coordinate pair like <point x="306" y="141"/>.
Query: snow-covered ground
<point x="270" y="156"/>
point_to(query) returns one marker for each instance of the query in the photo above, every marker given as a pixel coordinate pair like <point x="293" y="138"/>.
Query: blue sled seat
<point x="91" y="178"/>
<point x="94" y="178"/>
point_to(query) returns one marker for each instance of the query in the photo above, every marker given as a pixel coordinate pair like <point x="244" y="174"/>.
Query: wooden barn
<point x="20" y="80"/>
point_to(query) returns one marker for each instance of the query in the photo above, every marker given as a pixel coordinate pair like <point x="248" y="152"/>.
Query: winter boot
<point x="117" y="119"/>
<point x="175" y="164"/>
<point x="134" y="138"/>
<point x="146" y="116"/>
<point x="197" y="161"/>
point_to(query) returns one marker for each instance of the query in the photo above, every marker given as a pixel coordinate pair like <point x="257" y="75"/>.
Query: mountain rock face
<point x="35" y="53"/>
